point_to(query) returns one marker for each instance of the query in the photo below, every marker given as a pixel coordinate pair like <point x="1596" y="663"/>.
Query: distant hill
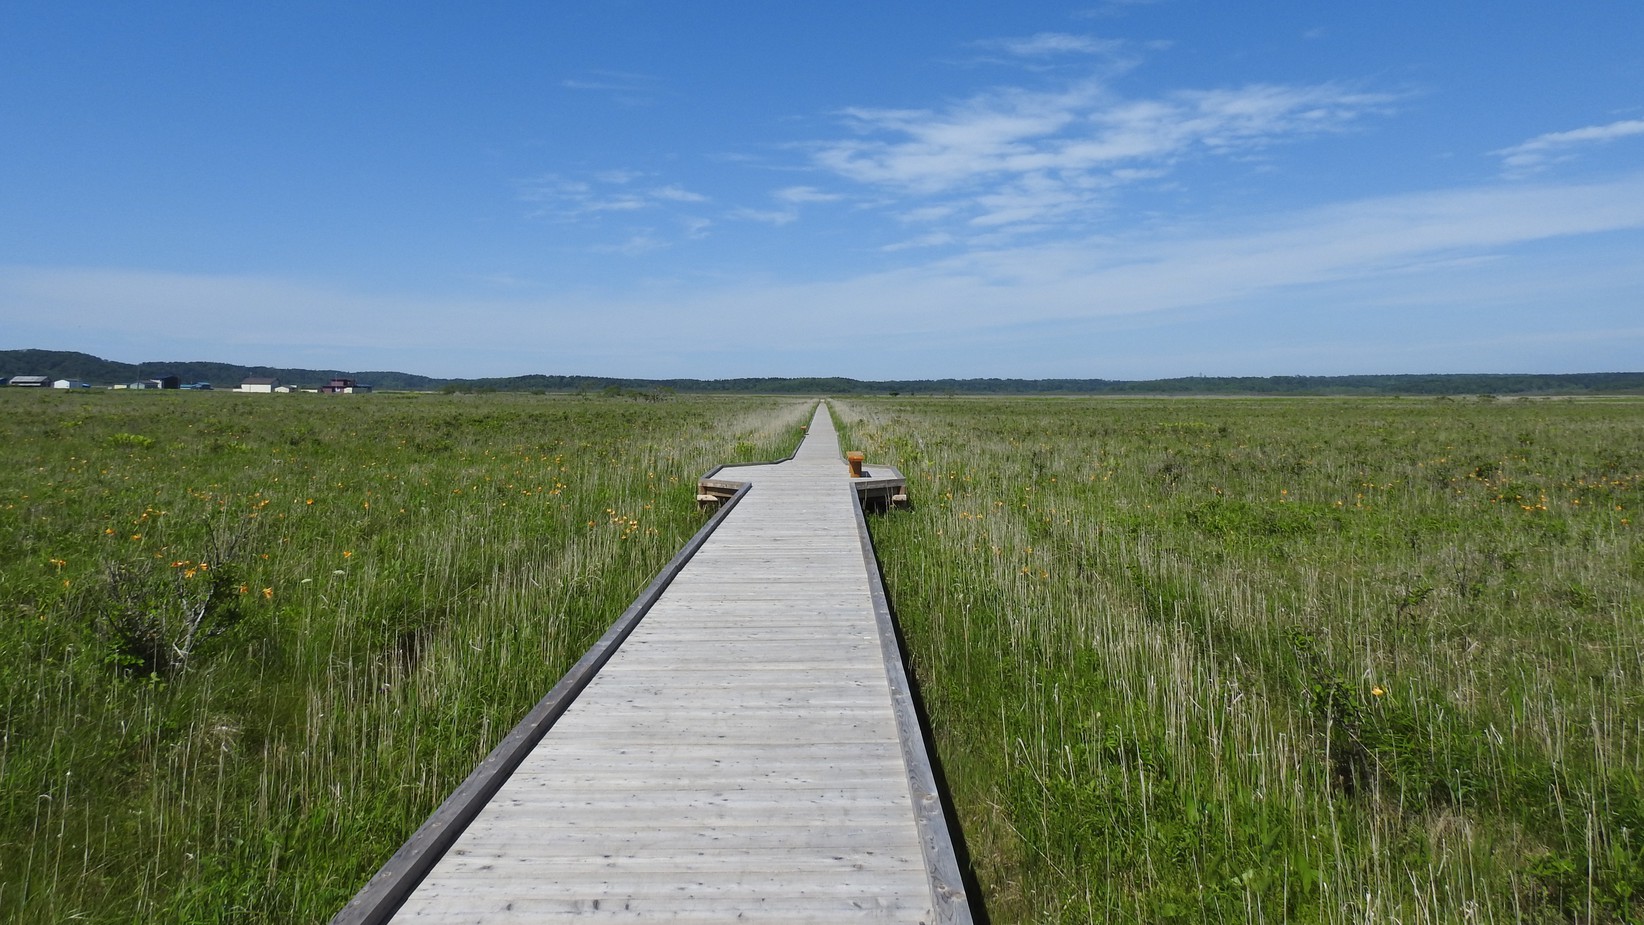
<point x="65" y="364"/>
<point x="62" y="364"/>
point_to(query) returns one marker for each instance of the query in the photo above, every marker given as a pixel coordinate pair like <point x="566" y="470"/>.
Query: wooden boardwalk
<point x="748" y="753"/>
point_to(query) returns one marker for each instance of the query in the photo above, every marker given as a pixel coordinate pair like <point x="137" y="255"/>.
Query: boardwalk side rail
<point x="947" y="886"/>
<point x="394" y="883"/>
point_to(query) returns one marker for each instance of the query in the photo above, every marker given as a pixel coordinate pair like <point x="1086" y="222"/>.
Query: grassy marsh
<point x="1279" y="660"/>
<point x="252" y="641"/>
<point x="1221" y="660"/>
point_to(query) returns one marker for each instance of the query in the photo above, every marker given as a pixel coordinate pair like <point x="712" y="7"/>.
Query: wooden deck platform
<point x="749" y="752"/>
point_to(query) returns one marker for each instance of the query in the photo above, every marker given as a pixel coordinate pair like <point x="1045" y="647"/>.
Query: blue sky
<point x="1130" y="190"/>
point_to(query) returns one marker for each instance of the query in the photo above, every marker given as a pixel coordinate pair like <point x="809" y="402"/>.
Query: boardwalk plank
<point x="741" y="757"/>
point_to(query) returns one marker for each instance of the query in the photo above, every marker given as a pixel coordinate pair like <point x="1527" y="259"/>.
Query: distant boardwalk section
<point x="749" y="752"/>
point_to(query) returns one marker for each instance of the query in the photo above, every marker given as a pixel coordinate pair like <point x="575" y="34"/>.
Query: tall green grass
<point x="249" y="642"/>
<point x="1279" y="660"/>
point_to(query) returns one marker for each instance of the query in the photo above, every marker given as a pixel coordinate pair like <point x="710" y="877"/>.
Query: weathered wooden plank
<point x="776" y="843"/>
<point x="864" y="733"/>
<point x="599" y="816"/>
<point x="743" y="756"/>
<point x="683" y="905"/>
<point x="888" y="887"/>
<point x="813" y="757"/>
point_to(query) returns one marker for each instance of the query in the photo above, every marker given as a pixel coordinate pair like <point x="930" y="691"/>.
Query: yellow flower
<point x="268" y="594"/>
<point x="1377" y="691"/>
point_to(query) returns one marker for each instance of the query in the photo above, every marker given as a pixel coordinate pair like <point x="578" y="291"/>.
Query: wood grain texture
<point x="744" y="754"/>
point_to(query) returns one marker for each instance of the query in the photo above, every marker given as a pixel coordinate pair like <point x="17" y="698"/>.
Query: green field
<point x="1364" y="660"/>
<point x="1337" y="660"/>
<point x="249" y="642"/>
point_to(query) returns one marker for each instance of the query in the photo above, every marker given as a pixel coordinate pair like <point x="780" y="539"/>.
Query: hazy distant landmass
<point x="64" y="364"/>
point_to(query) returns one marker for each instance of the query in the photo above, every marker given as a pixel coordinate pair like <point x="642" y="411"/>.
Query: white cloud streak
<point x="790" y="198"/>
<point x="1543" y="151"/>
<point x="611" y="191"/>
<point x="676" y="194"/>
<point x="804" y="194"/>
<point x="1046" y="44"/>
<point x="1013" y="156"/>
<point x="777" y="217"/>
<point x="624" y="87"/>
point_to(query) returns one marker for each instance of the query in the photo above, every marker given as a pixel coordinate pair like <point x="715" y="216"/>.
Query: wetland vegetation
<point x="1310" y="660"/>
<point x="251" y="641"/>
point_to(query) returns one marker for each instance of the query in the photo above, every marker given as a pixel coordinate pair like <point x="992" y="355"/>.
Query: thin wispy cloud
<point x="624" y="87"/>
<point x="1543" y="151"/>
<point x="1017" y="155"/>
<point x="789" y="200"/>
<point x="554" y="196"/>
<point x="676" y="194"/>
<point x="1112" y="8"/>
<point x="934" y="239"/>
<point x="1065" y="52"/>
<point x="624" y="205"/>
<point x="804" y="194"/>
<point x="1052" y="44"/>
<point x="641" y="243"/>
<point x="777" y="217"/>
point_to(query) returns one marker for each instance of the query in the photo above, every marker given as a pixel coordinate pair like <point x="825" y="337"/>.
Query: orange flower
<point x="268" y="594"/>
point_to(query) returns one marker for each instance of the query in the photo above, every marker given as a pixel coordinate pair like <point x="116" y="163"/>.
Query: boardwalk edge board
<point x="383" y="895"/>
<point x="788" y="458"/>
<point x="947" y="886"/>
